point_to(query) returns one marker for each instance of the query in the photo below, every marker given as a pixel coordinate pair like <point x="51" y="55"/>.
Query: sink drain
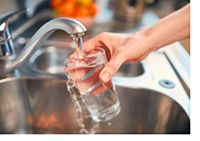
<point x="166" y="84"/>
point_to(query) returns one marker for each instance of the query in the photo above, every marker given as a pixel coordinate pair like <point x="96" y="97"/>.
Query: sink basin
<point x="30" y="105"/>
<point x="50" y="60"/>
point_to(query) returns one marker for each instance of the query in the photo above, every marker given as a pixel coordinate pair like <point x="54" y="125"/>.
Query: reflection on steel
<point x="45" y="106"/>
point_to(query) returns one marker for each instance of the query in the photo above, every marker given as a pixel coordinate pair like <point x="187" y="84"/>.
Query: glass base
<point x="107" y="114"/>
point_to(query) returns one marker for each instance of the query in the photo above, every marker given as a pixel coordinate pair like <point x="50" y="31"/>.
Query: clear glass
<point x="100" y="99"/>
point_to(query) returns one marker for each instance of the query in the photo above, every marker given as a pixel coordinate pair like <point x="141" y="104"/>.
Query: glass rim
<point x="91" y="55"/>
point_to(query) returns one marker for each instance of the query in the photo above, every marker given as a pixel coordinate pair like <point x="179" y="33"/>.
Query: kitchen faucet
<point x="9" y="60"/>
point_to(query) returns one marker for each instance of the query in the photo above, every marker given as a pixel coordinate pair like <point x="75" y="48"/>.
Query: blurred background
<point x="116" y="14"/>
<point x="43" y="105"/>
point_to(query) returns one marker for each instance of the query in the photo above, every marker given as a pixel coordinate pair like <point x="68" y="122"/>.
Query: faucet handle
<point x="6" y="43"/>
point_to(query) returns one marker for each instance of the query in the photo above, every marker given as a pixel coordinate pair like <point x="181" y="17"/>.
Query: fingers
<point x="111" y="68"/>
<point x="101" y="88"/>
<point x="87" y="80"/>
<point x="89" y="45"/>
<point x="101" y="40"/>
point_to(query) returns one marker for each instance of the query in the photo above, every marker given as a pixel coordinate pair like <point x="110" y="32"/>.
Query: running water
<point x="79" y="46"/>
<point x="84" y="119"/>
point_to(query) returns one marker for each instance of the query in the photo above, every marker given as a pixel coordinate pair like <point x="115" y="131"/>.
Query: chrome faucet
<point x="10" y="61"/>
<point x="6" y="42"/>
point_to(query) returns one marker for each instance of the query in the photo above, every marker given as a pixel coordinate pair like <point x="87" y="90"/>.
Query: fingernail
<point x="106" y="77"/>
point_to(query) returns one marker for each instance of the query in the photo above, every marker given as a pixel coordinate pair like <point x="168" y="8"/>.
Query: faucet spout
<point x="70" y="26"/>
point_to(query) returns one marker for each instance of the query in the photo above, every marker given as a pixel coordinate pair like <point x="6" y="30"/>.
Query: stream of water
<point x="86" y="123"/>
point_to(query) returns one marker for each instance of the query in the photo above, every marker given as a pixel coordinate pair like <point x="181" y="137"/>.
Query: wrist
<point x="142" y="39"/>
<point x="145" y="37"/>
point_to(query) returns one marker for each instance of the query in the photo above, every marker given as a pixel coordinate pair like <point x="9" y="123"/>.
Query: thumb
<point x="111" y="68"/>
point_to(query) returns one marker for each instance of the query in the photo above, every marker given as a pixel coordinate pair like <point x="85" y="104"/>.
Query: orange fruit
<point x="73" y="1"/>
<point x="81" y="11"/>
<point x="93" y="9"/>
<point x="84" y="2"/>
<point x="55" y="3"/>
<point x="66" y="9"/>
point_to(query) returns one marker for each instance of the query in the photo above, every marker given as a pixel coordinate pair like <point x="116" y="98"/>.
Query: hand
<point x="120" y="48"/>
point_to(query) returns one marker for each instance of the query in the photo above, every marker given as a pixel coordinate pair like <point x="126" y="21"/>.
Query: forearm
<point x="174" y="27"/>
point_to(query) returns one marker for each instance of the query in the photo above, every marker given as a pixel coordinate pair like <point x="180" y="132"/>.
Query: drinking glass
<point x="82" y="72"/>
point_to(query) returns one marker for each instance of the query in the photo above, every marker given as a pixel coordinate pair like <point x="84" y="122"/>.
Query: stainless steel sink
<point x="49" y="60"/>
<point x="30" y="105"/>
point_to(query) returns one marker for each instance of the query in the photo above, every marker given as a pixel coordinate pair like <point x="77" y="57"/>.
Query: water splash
<point x="84" y="119"/>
